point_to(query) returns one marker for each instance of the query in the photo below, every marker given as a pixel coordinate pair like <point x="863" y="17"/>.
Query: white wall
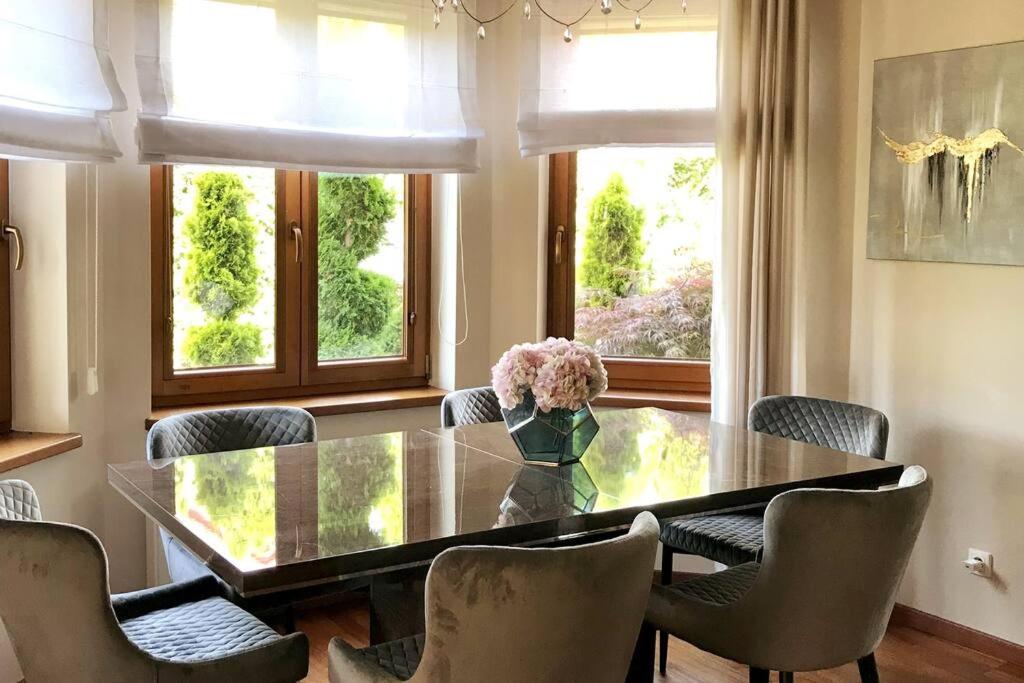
<point x="39" y="334"/>
<point x="937" y="347"/>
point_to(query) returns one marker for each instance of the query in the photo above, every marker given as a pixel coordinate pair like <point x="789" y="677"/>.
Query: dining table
<point x="280" y="520"/>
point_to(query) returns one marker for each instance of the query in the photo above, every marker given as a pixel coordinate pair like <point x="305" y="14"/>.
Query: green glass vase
<point x="557" y="437"/>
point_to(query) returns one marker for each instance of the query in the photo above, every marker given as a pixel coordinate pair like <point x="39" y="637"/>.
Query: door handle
<point x="297" y="236"/>
<point x="559" y="238"/>
<point x="12" y="232"/>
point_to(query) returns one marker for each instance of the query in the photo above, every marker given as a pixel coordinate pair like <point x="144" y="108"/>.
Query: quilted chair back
<point x="840" y="426"/>
<point x="55" y="604"/>
<point x="470" y="407"/>
<point x="232" y="429"/>
<point x="551" y="614"/>
<point x="18" y="501"/>
<point x="833" y="562"/>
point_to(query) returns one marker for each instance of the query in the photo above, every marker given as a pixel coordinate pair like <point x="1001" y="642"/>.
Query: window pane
<point x="361" y="266"/>
<point x="224" y="266"/>
<point x="646" y="224"/>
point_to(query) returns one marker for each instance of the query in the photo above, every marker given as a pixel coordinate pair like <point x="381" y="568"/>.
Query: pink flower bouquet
<point x="560" y="374"/>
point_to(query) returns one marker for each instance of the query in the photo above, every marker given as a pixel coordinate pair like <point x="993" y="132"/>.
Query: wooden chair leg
<point x="759" y="675"/>
<point x="666" y="580"/>
<point x="868" y="669"/>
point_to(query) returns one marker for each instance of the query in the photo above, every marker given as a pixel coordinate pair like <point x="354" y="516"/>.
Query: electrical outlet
<point x="979" y="562"/>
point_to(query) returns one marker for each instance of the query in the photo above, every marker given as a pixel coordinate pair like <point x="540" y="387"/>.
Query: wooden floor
<point x="905" y="656"/>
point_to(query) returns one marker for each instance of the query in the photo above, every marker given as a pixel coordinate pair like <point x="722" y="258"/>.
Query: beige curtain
<point x="762" y="144"/>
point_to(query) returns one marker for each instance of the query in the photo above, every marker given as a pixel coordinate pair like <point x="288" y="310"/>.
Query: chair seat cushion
<point x="720" y="588"/>
<point x="198" y="631"/>
<point x="731" y="539"/>
<point x="398" y="657"/>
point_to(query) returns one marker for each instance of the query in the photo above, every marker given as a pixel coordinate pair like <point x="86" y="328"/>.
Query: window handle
<point x="297" y="236"/>
<point x="559" y="238"/>
<point x="12" y="232"/>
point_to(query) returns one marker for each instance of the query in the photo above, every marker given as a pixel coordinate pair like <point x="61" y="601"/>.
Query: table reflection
<point x="271" y="506"/>
<point x="642" y="458"/>
<point x="230" y="502"/>
<point x="541" y="492"/>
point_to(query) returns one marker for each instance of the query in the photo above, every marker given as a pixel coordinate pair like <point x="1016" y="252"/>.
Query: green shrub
<point x="355" y="210"/>
<point x="360" y="312"/>
<point x="223" y="342"/>
<point x="613" y="243"/>
<point x="693" y="174"/>
<point x="356" y="306"/>
<point x="222" y="274"/>
<point x="222" y="277"/>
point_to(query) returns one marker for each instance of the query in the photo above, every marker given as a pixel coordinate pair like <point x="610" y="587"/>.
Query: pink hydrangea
<point x="559" y="372"/>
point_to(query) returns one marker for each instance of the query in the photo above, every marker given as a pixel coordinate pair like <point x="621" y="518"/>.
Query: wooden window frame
<point x="297" y="372"/>
<point x="6" y="385"/>
<point x="649" y="374"/>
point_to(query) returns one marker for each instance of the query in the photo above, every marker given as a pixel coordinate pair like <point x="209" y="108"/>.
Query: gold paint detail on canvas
<point x="974" y="152"/>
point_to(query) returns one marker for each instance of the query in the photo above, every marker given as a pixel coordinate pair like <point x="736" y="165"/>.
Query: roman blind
<point x="613" y="84"/>
<point x="57" y="83"/>
<point x="333" y="85"/>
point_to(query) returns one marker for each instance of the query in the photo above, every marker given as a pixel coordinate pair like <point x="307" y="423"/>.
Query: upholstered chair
<point x="64" y="626"/>
<point x="738" y="537"/>
<point x="470" y="407"/>
<point x="216" y="431"/>
<point x="18" y="501"/>
<point x="821" y="596"/>
<point x="519" y="614"/>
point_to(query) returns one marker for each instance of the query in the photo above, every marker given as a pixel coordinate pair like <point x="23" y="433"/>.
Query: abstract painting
<point x="947" y="157"/>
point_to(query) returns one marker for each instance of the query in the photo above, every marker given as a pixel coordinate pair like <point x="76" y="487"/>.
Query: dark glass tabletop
<point x="271" y="519"/>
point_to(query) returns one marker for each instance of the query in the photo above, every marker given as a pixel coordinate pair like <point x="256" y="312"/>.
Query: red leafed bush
<point x="673" y="322"/>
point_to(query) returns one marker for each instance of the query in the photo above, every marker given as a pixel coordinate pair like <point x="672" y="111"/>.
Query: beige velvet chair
<point x="823" y="593"/>
<point x="65" y="626"/>
<point x="518" y="614"/>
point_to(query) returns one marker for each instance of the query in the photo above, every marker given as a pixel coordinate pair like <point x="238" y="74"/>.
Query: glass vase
<point x="558" y="437"/>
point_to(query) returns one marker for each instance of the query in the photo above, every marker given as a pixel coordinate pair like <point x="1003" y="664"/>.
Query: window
<point x="283" y="283"/>
<point x="631" y="237"/>
<point x="631" y="225"/>
<point x="5" y="302"/>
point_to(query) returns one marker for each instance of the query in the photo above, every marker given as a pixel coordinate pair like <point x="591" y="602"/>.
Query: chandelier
<point x="528" y="5"/>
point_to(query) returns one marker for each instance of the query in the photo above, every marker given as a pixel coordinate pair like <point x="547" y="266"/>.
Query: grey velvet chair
<point x="216" y="431"/>
<point x="18" y="501"/>
<point x="822" y="595"/>
<point x="518" y="614"/>
<point x="65" y="626"/>
<point x="736" y="538"/>
<point x="470" y="407"/>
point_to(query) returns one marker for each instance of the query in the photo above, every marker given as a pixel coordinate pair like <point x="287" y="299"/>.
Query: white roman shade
<point x="342" y="85"/>
<point x="57" y="83"/>
<point x="616" y="85"/>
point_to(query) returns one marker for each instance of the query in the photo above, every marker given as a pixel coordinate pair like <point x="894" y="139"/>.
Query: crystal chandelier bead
<point x="437" y="18"/>
<point x="636" y="22"/>
<point x="567" y="35"/>
<point x="684" y="7"/>
<point x="455" y="5"/>
<point x="481" y="32"/>
<point x="526" y="9"/>
<point x="606" y="6"/>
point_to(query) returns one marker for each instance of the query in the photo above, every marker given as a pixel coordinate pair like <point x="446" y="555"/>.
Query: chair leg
<point x="641" y="667"/>
<point x="785" y="677"/>
<point x="868" y="669"/>
<point x="666" y="579"/>
<point x="759" y="675"/>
